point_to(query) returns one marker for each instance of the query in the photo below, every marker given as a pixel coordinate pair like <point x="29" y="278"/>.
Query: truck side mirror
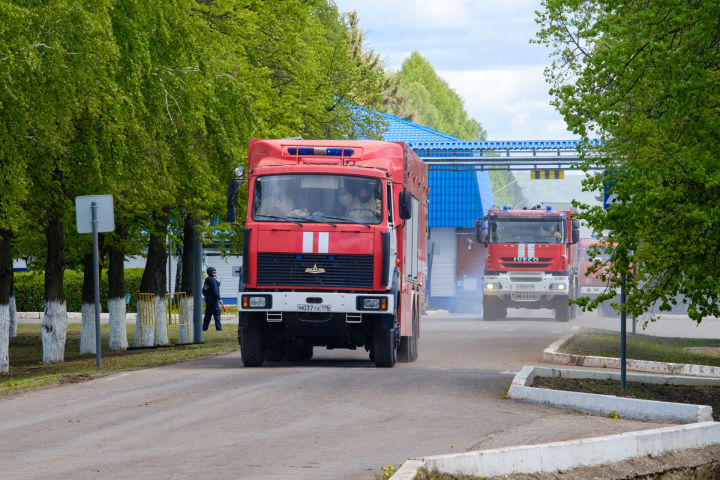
<point x="479" y="235"/>
<point x="404" y="205"/>
<point x="575" y="234"/>
<point x="232" y="194"/>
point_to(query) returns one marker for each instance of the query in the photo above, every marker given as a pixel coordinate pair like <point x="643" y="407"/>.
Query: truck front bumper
<point x="316" y="302"/>
<point x="526" y="286"/>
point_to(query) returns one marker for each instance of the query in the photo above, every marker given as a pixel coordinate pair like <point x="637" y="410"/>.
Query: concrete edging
<point x="521" y="389"/>
<point x="552" y="355"/>
<point x="553" y="456"/>
<point x="548" y="457"/>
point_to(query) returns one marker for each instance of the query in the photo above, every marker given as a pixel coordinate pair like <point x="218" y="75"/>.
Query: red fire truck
<point x="333" y="250"/>
<point x="529" y="262"/>
<point x="590" y="284"/>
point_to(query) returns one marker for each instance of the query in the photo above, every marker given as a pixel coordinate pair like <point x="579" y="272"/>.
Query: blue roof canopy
<point x="458" y="195"/>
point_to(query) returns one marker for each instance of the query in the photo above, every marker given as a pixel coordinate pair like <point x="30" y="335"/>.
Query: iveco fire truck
<point x="529" y="262"/>
<point x="333" y="250"/>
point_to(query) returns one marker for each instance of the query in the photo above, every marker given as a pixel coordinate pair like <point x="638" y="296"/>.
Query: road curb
<point x="552" y="355"/>
<point x="522" y="390"/>
<point x="549" y="457"/>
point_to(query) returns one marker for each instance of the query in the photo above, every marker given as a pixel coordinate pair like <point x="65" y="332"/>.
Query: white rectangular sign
<point x="105" y="216"/>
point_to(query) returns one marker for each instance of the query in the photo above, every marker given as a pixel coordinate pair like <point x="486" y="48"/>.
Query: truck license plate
<point x="312" y="307"/>
<point x="524" y="286"/>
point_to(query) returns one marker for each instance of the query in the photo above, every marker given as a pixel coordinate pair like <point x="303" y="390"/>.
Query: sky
<point x="481" y="48"/>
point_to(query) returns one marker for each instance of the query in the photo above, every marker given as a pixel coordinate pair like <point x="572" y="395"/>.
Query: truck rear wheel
<point x="562" y="309"/>
<point x="251" y="345"/>
<point x="408" y="349"/>
<point x="275" y="351"/>
<point x="384" y="352"/>
<point x="494" y="309"/>
<point x="298" y="353"/>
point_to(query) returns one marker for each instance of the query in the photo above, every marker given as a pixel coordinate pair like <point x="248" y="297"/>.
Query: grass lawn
<point x="28" y="372"/>
<point x="643" y="347"/>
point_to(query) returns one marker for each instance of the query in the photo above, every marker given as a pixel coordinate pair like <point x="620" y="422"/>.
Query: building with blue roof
<point x="459" y="195"/>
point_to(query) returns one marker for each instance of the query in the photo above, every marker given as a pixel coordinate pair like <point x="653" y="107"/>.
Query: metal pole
<point x="96" y="277"/>
<point x="623" y="335"/>
<point x="197" y="288"/>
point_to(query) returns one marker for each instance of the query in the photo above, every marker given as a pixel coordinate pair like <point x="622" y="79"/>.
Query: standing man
<point x="211" y="291"/>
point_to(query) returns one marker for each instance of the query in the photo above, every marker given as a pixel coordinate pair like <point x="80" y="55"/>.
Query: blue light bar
<point x="321" y="151"/>
<point x="548" y="208"/>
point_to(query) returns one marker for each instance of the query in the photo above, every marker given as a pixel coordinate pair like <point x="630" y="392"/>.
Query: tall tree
<point x="13" y="138"/>
<point x="438" y="105"/>
<point x="643" y="77"/>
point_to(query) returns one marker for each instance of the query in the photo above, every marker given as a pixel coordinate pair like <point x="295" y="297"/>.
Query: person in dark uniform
<point x="211" y="291"/>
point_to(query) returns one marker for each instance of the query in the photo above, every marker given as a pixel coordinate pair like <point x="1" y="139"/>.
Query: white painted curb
<point x="549" y="457"/>
<point x="552" y="355"/>
<point x="521" y="389"/>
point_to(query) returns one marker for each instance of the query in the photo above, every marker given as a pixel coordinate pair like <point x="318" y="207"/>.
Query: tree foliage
<point x="421" y="93"/>
<point x="644" y="77"/>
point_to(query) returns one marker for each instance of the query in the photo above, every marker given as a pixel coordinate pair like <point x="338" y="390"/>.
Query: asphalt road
<point x="334" y="417"/>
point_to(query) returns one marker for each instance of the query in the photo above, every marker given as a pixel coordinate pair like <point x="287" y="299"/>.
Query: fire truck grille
<point x="509" y="262"/>
<point x="314" y="270"/>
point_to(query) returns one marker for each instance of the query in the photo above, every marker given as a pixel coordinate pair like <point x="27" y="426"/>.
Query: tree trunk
<point x="5" y="282"/>
<point x="54" y="324"/>
<point x="186" y="282"/>
<point x="154" y="277"/>
<point x="116" y="300"/>
<point x="13" y="306"/>
<point x="87" y="333"/>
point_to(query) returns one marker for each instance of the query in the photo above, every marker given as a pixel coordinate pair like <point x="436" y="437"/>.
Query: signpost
<point x="94" y="214"/>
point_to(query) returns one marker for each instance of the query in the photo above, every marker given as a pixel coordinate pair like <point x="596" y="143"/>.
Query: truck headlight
<point x="493" y="286"/>
<point x="256" y="301"/>
<point x="371" y="303"/>
<point x="557" y="286"/>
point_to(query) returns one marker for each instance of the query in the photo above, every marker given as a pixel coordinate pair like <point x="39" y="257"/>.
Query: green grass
<point x="643" y="347"/>
<point x="27" y="371"/>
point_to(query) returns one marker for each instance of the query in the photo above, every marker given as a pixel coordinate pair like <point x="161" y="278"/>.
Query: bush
<point x="30" y="290"/>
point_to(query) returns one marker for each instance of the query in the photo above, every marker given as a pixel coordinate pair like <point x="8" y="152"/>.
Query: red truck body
<point x="330" y="264"/>
<point x="529" y="262"/>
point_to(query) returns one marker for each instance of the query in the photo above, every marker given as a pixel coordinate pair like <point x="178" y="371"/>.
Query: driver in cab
<point x="363" y="205"/>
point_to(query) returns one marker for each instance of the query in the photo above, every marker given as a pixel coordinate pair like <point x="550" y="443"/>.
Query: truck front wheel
<point x="384" y="352"/>
<point x="562" y="309"/>
<point x="493" y="308"/>
<point x="251" y="345"/>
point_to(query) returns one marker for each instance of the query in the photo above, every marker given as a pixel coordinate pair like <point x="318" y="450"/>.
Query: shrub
<point x="30" y="290"/>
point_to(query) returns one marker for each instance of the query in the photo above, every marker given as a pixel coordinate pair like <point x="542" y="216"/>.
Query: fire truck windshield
<point x="527" y="230"/>
<point x="315" y="197"/>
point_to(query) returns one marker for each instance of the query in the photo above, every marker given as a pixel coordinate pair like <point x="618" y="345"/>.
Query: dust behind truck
<point x="333" y="250"/>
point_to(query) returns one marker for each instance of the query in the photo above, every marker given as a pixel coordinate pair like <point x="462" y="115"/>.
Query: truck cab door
<point x="392" y="231"/>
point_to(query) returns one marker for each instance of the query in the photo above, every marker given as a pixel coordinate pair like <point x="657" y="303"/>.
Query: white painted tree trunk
<point x="144" y="335"/>
<point x="161" y="332"/>
<point x="118" y="331"/>
<point x="54" y="330"/>
<point x="4" y="338"/>
<point x="13" y="317"/>
<point x="87" y="332"/>
<point x="185" y="333"/>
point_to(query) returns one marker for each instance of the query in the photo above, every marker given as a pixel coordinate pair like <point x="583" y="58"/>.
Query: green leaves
<point x="643" y="77"/>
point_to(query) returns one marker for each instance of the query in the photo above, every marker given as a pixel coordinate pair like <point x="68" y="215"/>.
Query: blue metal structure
<point x="458" y="197"/>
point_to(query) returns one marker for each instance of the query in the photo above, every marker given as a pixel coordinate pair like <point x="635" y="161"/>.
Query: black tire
<point x="562" y="309"/>
<point x="275" y="352"/>
<point x="298" y="353"/>
<point x="251" y="345"/>
<point x="408" y="349"/>
<point x="384" y="345"/>
<point x="494" y="309"/>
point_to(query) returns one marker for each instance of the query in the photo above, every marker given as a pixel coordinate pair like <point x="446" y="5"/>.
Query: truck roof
<point x="395" y="158"/>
